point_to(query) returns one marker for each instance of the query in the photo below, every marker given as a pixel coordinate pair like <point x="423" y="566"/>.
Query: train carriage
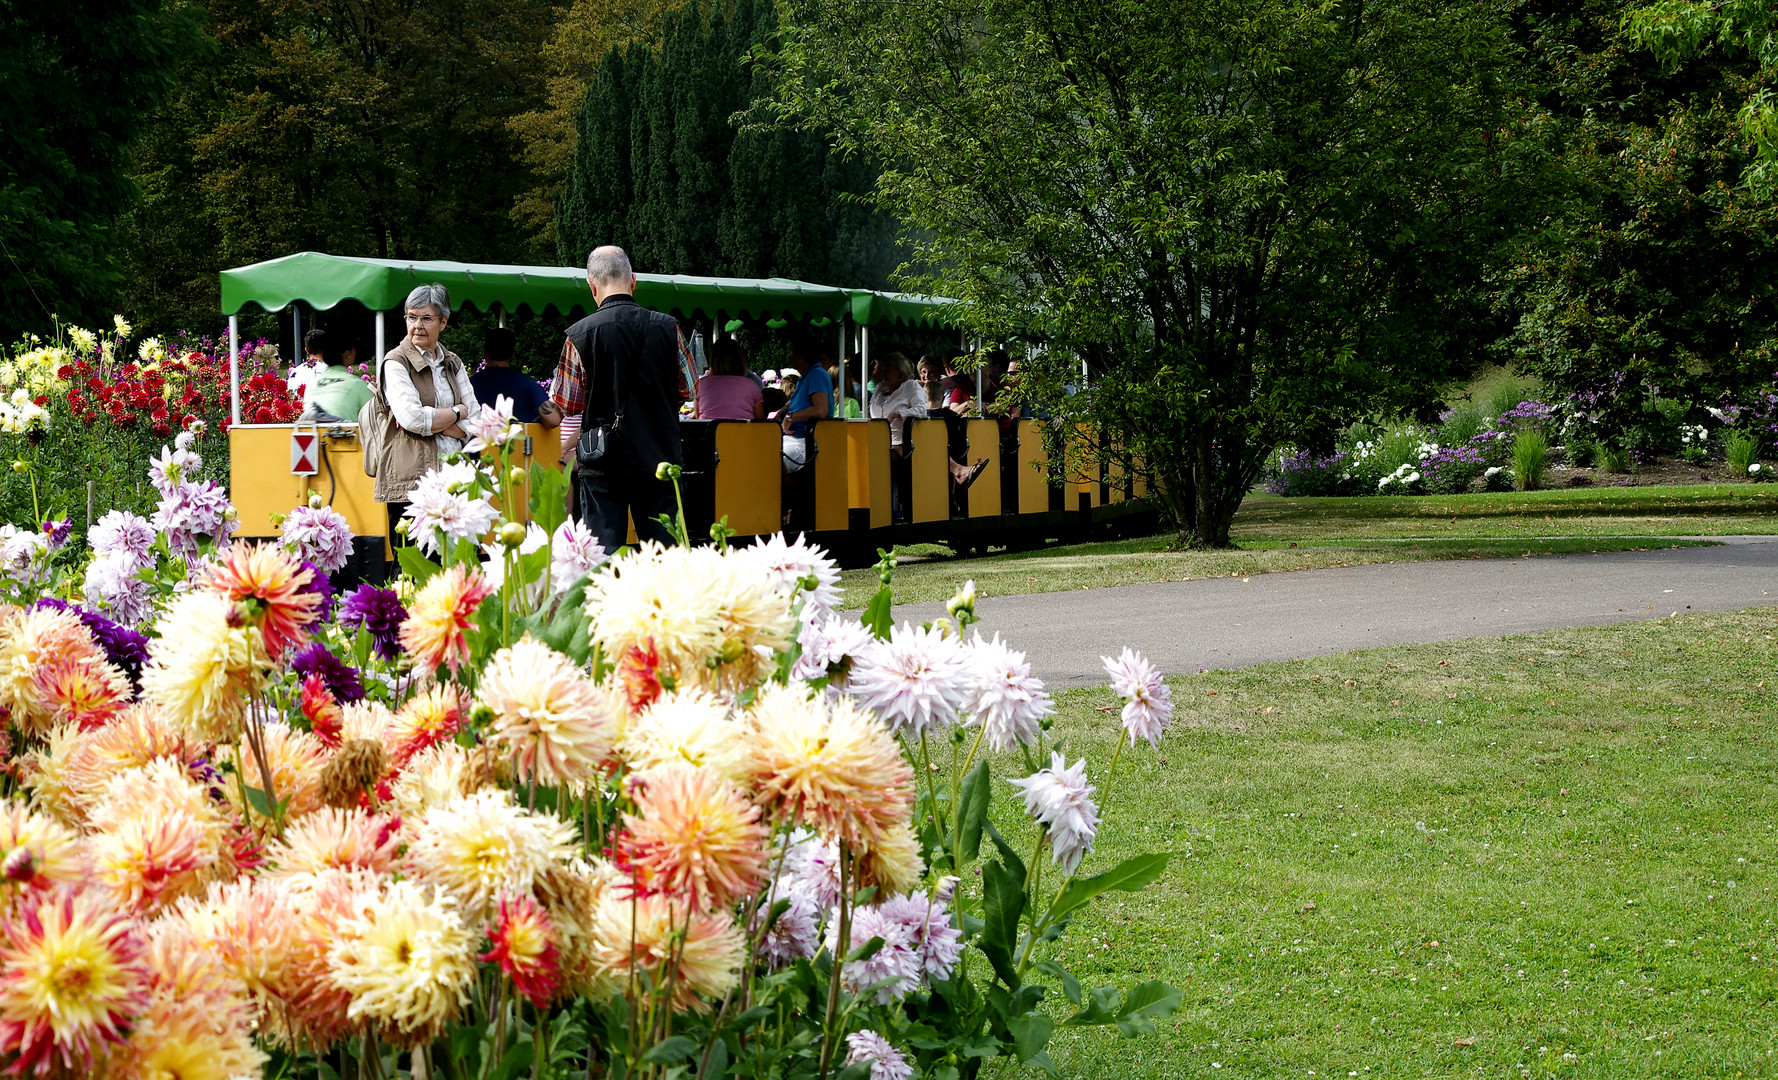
<point x="842" y="498"/>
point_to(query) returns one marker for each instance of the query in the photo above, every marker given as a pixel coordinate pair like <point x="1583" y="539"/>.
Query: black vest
<point x="629" y="357"/>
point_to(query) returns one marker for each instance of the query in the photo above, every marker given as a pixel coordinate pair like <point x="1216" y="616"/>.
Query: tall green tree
<point x="1248" y="217"/>
<point x="77" y="81"/>
<point x="1652" y="275"/>
<point x="360" y="127"/>
<point x="662" y="167"/>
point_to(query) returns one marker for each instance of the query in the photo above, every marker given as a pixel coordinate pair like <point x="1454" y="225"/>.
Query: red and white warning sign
<point x="305" y="452"/>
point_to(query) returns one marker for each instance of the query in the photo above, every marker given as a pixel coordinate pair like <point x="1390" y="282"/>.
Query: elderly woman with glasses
<point x="426" y="387"/>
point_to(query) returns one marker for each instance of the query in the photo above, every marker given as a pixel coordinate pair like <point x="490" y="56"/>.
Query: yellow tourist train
<point x="733" y="469"/>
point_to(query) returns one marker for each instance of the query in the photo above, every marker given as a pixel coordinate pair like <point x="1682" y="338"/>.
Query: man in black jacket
<point x="620" y="369"/>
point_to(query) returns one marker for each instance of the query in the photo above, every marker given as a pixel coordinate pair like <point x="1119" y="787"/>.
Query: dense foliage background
<point x="1255" y="224"/>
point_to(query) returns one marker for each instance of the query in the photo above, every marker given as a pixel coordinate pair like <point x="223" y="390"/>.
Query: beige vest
<point x="406" y="456"/>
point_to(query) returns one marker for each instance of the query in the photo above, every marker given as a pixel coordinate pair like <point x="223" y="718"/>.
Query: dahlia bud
<point x="315" y="501"/>
<point x="21" y="466"/>
<point x="516" y="476"/>
<point x="512" y="534"/>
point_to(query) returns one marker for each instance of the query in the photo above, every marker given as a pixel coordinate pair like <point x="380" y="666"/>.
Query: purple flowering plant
<point x="1451" y="470"/>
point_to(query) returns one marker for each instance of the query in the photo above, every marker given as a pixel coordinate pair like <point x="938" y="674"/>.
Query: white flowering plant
<point x="532" y="809"/>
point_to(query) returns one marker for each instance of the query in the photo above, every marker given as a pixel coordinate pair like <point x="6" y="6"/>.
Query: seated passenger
<point x="498" y="379"/>
<point x="726" y="393"/>
<point x="334" y="393"/>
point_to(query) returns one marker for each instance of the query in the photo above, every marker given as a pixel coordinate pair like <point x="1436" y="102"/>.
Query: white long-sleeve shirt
<point x="404" y="400"/>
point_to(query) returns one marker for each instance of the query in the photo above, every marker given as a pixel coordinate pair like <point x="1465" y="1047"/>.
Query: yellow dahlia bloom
<point x="712" y="617"/>
<point x="49" y="776"/>
<point x="202" y="667"/>
<point x="436" y="776"/>
<point x="425" y="720"/>
<point x="708" y="946"/>
<point x="408" y="959"/>
<point x="38" y="852"/>
<point x="296" y="759"/>
<point x="335" y="839"/>
<point x="550" y="719"/>
<point x="81" y="690"/>
<point x="72" y="981"/>
<point x="438" y="616"/>
<point x="693" y="835"/>
<point x="688" y="726"/>
<point x="478" y="846"/>
<point x="199" y="1023"/>
<point x="157" y="836"/>
<point x="275" y="937"/>
<point x="829" y="765"/>
<point x="268" y="587"/>
<point x="29" y="640"/>
<point x="137" y="736"/>
<point x="891" y="862"/>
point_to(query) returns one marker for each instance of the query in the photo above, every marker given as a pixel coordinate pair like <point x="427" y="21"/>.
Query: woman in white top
<point x="439" y="414"/>
<point x="900" y="398"/>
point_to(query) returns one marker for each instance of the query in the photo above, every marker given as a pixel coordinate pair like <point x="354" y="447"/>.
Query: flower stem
<point x="842" y="944"/>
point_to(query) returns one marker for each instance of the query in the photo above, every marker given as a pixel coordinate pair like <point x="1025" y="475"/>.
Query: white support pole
<point x="376" y="364"/>
<point x="234" y="368"/>
<point x="840" y="391"/>
<point x="864" y="375"/>
<point x="500" y="313"/>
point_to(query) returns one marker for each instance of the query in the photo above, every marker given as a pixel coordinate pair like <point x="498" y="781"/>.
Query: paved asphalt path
<point x="1234" y="622"/>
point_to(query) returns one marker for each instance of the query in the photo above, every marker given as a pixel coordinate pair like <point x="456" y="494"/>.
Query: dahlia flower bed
<point x="88" y="407"/>
<point x="532" y="810"/>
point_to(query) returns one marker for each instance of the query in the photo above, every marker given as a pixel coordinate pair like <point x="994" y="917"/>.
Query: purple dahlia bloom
<point x="379" y="612"/>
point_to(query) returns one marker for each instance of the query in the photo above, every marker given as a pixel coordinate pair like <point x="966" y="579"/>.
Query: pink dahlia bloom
<point x="1061" y="800"/>
<point x="886" y="1062"/>
<point x="916" y="681"/>
<point x="1148" y="704"/>
<point x="1008" y="701"/>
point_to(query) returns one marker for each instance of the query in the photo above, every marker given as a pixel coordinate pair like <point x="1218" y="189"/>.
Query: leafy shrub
<point x="1452" y="470"/>
<point x="1694" y="443"/>
<point x="1613" y="458"/>
<point x="1528" y="414"/>
<point x="1497" y="478"/>
<point x="1531" y="453"/>
<point x="1582" y="451"/>
<point x="1405" y="480"/>
<point x="1504" y="396"/>
<point x="1740" y="448"/>
<point x="1495" y="447"/>
<point x="1304" y="474"/>
<point x="1461" y="425"/>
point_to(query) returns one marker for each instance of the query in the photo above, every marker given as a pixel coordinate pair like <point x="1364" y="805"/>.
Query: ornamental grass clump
<point x="1740" y="448"/>
<point x="652" y="815"/>
<point x="1531" y="452"/>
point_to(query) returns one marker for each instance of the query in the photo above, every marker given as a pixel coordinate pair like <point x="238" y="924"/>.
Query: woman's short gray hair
<point x="436" y="297"/>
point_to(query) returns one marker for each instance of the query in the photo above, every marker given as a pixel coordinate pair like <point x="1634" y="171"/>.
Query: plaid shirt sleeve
<point x="568" y="388"/>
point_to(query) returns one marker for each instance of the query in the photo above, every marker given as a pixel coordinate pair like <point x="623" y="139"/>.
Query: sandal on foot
<point x="974" y="471"/>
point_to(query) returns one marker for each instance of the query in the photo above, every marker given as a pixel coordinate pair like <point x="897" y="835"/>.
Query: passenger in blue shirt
<point x="813" y="399"/>
<point x="530" y="401"/>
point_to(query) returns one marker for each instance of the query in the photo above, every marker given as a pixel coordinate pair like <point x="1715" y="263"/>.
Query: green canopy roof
<point x="871" y="308"/>
<point x="322" y="281"/>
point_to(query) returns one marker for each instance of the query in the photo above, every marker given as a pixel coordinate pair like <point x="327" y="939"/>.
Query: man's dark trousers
<point x="606" y="501"/>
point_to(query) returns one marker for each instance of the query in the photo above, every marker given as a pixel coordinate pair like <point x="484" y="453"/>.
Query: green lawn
<point x="1681" y="510"/>
<point x="1274" y="534"/>
<point x="1547" y="855"/>
<point x="1128" y="562"/>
